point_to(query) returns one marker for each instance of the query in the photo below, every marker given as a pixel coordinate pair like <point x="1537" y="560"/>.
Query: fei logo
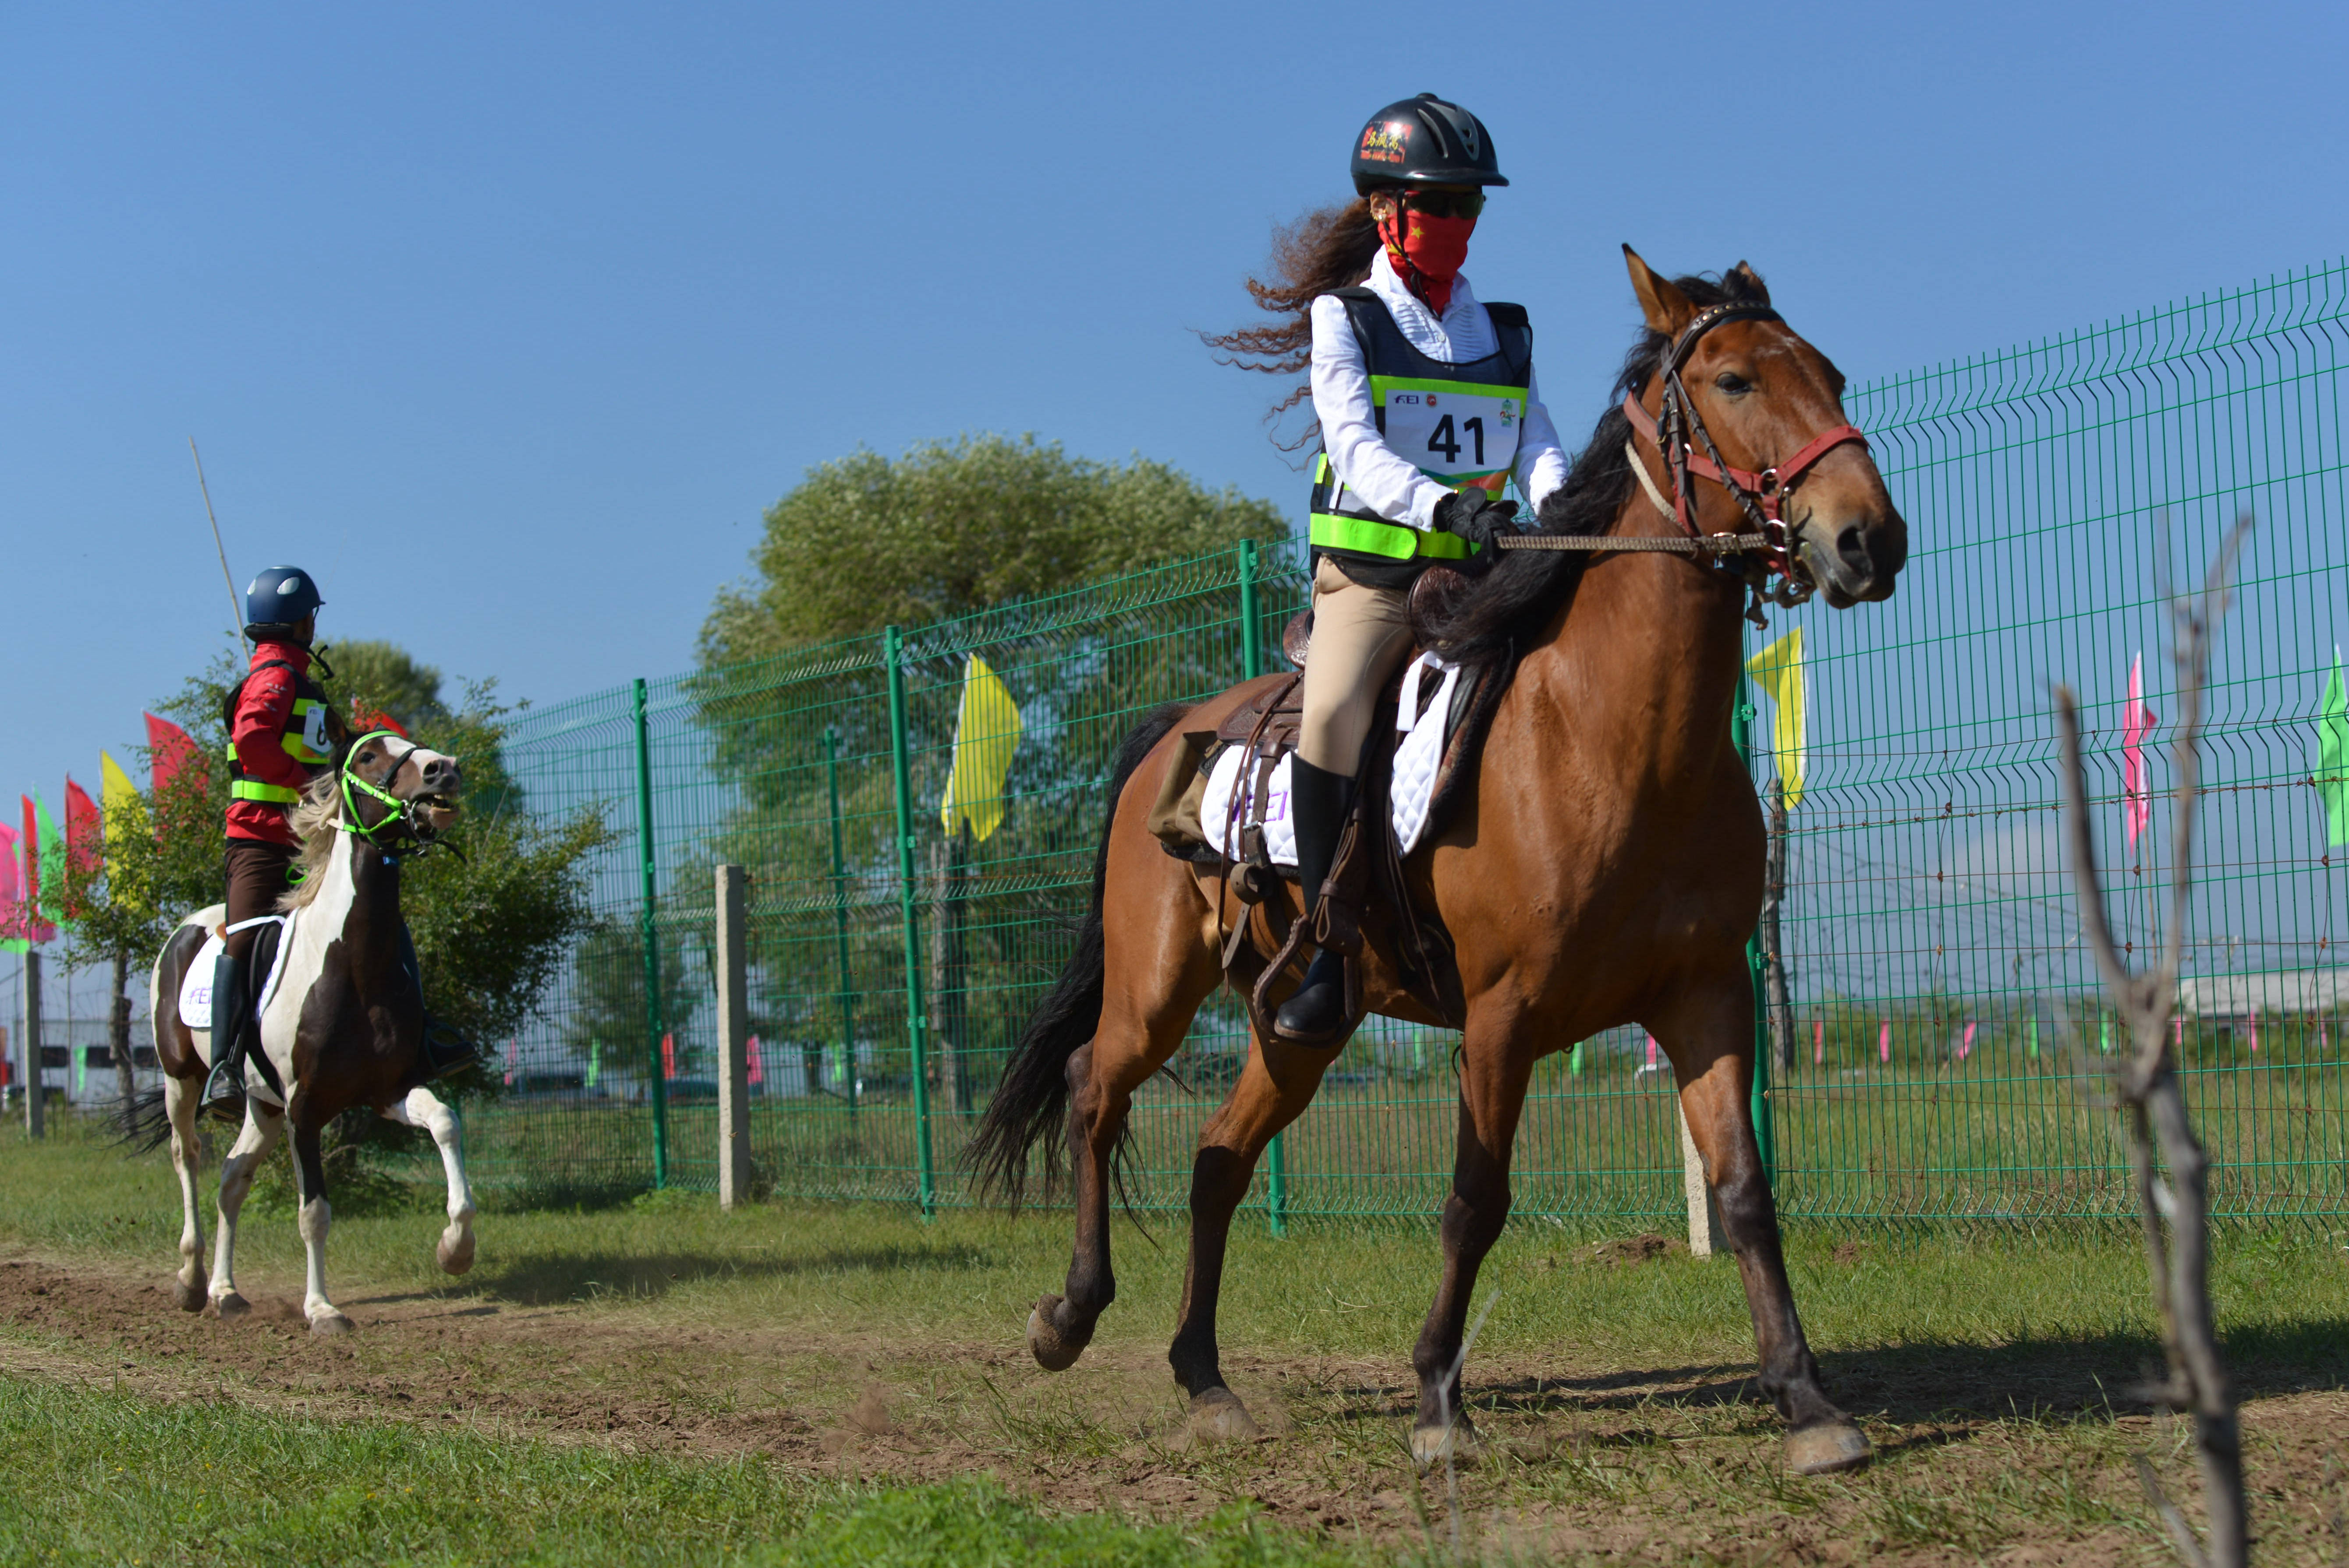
<point x="1395" y="399"/>
<point x="1385" y="143"/>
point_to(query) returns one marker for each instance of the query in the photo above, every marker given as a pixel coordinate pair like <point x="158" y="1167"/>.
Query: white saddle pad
<point x="196" y="984"/>
<point x="1415" y="763"/>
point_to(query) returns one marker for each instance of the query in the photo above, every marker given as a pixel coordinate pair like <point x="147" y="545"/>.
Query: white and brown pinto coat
<point x="344" y="1028"/>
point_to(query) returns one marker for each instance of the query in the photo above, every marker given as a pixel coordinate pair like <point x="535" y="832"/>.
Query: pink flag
<point x="513" y="1060"/>
<point x="758" y="1073"/>
<point x="1818" y="1043"/>
<point x="1884" y="1041"/>
<point x="2137" y="720"/>
<point x="1966" y="1046"/>
<point x="1651" y="1050"/>
<point x="2255" y="1031"/>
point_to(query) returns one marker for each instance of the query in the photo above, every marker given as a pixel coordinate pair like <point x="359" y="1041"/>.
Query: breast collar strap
<point x="1761" y="494"/>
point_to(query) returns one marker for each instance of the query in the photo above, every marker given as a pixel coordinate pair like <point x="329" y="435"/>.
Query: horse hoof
<point x="1823" y="1450"/>
<point x="1428" y="1443"/>
<point x="457" y="1258"/>
<point x="230" y="1305"/>
<point x="1054" y="1351"/>
<point x="188" y="1297"/>
<point x="329" y="1324"/>
<point x="1218" y="1417"/>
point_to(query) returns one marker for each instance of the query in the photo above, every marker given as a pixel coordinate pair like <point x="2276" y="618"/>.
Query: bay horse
<point x="342" y="1024"/>
<point x="1605" y="868"/>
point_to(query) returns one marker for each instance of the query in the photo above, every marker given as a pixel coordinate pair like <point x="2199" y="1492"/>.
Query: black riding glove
<point x="1474" y="515"/>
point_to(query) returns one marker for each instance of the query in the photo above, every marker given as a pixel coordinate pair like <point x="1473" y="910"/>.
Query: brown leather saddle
<point x="1370" y="861"/>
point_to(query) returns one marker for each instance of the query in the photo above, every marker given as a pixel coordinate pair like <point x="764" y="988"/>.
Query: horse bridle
<point x="1761" y="494"/>
<point x="409" y="814"/>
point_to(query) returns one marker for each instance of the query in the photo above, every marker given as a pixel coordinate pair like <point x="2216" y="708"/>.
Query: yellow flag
<point x="1778" y="670"/>
<point x="986" y="733"/>
<point x="116" y="793"/>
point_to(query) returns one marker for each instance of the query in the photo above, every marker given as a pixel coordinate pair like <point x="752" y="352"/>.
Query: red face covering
<point x="1427" y="252"/>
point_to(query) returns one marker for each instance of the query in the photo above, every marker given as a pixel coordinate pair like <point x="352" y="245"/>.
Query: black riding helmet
<point x="1424" y="140"/>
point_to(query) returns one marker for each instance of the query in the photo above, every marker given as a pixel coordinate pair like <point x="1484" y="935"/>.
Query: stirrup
<point x="1337" y="1026"/>
<point x="445" y="1050"/>
<point x="231" y="1063"/>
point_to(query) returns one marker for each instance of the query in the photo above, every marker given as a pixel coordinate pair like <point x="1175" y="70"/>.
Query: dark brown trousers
<point x="257" y="879"/>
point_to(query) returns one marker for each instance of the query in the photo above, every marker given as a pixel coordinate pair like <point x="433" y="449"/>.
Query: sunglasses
<point x="1445" y="203"/>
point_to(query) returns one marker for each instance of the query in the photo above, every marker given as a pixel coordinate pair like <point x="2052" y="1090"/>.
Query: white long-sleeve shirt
<point x="1386" y="481"/>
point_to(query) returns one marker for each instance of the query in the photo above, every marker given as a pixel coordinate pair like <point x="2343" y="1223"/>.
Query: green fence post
<point x="1741" y="720"/>
<point x="649" y="871"/>
<point x="1275" y="1157"/>
<point x="840" y="917"/>
<point x="916" y="1024"/>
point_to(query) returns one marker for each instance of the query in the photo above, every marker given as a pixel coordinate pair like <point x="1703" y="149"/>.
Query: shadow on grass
<point x="552" y="1279"/>
<point x="2059" y="1379"/>
<point x="2056" y="1378"/>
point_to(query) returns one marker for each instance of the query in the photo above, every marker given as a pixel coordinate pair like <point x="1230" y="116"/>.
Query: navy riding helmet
<point x="281" y="597"/>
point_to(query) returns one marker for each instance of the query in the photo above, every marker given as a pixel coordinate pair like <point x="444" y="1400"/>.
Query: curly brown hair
<point x="1329" y="249"/>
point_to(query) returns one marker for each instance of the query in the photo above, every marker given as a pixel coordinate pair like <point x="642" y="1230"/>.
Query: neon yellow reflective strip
<point x="1382" y="385"/>
<point x="1335" y="530"/>
<point x="299" y="749"/>
<point x="254" y="789"/>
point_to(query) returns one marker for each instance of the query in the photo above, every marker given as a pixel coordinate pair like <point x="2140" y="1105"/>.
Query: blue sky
<point x="508" y="322"/>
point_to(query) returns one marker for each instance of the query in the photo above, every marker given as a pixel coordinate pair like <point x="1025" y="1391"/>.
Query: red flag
<point x="83" y="830"/>
<point x="364" y="720"/>
<point x="172" y="750"/>
<point x="669" y="1056"/>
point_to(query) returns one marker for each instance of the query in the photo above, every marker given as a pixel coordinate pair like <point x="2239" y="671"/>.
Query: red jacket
<point x="278" y="732"/>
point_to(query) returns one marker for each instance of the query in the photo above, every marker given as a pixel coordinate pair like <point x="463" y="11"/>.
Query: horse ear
<point x="1753" y="280"/>
<point x="1666" y="308"/>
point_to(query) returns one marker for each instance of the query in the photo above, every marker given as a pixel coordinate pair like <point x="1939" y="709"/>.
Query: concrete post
<point x="733" y="1038"/>
<point x="1704" y="1220"/>
<point x="30" y="1042"/>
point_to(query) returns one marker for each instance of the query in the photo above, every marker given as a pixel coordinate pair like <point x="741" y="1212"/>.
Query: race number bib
<point x="1460" y="436"/>
<point x="314" y="729"/>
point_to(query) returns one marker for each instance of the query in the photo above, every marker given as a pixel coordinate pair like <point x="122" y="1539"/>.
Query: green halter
<point x="351" y="781"/>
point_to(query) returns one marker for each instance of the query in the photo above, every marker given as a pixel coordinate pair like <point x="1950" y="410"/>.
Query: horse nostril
<point x="1851" y="546"/>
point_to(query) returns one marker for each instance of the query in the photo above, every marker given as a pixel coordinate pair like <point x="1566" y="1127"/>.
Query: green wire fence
<point x="1937" y="1058"/>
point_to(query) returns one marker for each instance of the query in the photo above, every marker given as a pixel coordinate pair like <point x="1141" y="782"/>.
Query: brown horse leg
<point x="1709" y="1034"/>
<point x="1493" y="1080"/>
<point x="1142" y="1021"/>
<point x="1265" y="1100"/>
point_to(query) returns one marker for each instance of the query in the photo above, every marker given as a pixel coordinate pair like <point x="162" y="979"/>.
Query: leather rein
<point x="1761" y="494"/>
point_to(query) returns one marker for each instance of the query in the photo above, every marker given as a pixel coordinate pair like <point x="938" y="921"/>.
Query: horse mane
<point x="317" y="822"/>
<point x="1483" y="618"/>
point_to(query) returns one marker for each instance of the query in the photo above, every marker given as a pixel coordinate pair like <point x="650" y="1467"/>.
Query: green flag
<point x="2333" y="755"/>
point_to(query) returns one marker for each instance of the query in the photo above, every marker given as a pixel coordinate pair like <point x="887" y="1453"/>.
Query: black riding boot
<point x="233" y="1026"/>
<point x="445" y="1050"/>
<point x="1317" y="803"/>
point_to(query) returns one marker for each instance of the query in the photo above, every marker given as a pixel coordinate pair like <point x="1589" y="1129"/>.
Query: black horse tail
<point x="142" y="1124"/>
<point x="1033" y="1101"/>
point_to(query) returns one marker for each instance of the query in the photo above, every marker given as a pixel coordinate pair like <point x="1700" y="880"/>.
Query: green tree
<point x="608" y="1001"/>
<point x="383" y="677"/>
<point x="951" y="528"/>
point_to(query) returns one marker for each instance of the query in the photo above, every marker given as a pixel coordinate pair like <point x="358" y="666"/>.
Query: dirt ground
<point x="1677" y="1463"/>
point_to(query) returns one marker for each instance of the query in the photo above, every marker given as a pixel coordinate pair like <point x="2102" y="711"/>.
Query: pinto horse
<point x="342" y="1024"/>
<point x="1605" y="869"/>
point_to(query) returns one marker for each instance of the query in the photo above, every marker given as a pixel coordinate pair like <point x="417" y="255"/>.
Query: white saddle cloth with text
<point x="1417" y="760"/>
<point x="196" y="984"/>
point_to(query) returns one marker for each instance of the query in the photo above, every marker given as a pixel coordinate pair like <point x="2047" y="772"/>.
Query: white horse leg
<point x="424" y="1109"/>
<point x="317" y="1219"/>
<point x="188" y="1160"/>
<point x="262" y="1125"/>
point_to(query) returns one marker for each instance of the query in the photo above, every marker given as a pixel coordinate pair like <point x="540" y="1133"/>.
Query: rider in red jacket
<point x="279" y="740"/>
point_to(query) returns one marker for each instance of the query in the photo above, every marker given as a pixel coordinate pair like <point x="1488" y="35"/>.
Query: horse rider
<point x="1427" y="410"/>
<point x="282" y="733"/>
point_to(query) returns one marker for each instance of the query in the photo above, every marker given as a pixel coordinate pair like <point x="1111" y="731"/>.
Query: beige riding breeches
<point x="1360" y="636"/>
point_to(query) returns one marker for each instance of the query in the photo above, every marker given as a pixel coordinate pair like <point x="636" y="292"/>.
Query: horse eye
<point x="1729" y="381"/>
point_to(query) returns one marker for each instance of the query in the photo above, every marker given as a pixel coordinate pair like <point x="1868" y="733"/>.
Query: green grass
<point x="1993" y="1368"/>
<point x="96" y="1476"/>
